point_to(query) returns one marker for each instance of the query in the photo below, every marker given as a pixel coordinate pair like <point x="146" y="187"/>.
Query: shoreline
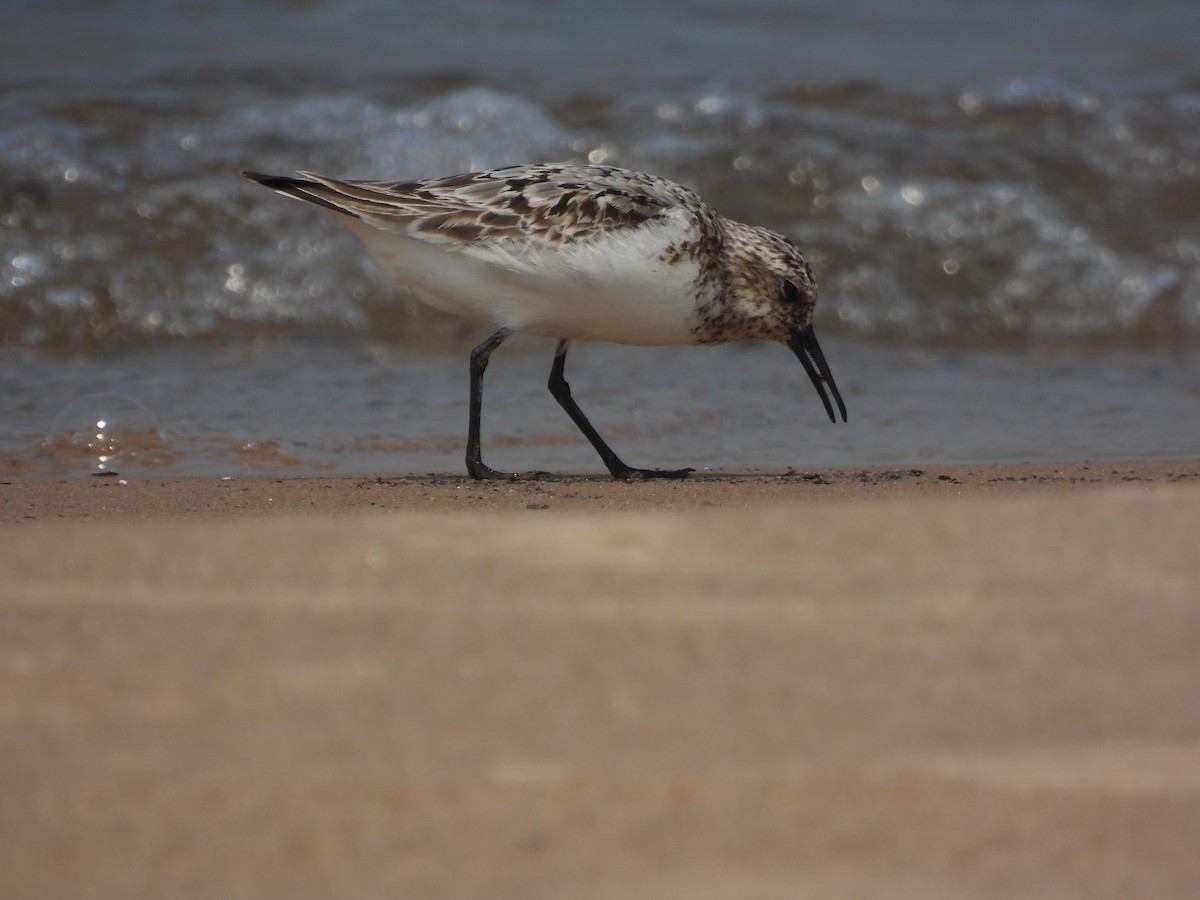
<point x="110" y="499"/>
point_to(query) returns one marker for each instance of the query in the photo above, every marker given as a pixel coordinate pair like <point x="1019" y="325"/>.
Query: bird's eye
<point x="790" y="292"/>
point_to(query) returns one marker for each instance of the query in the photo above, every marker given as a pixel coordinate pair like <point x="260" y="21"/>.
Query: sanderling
<point x="578" y="253"/>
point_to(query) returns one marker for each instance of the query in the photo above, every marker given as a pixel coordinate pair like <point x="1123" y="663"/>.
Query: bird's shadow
<point x="597" y="478"/>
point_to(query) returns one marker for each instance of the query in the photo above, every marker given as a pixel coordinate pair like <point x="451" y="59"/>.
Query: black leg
<point x="562" y="393"/>
<point x="479" y="361"/>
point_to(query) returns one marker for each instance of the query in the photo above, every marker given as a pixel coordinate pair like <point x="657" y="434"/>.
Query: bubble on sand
<point x="106" y="427"/>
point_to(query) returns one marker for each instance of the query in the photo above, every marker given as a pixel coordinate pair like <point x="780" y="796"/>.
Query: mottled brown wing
<point x="554" y="204"/>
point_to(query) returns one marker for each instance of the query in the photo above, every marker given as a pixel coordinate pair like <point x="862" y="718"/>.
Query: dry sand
<point x="971" y="681"/>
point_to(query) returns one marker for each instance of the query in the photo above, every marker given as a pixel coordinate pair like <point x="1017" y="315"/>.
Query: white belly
<point x="617" y="290"/>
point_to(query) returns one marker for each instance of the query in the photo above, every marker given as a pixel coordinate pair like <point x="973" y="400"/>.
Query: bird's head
<point x="770" y="294"/>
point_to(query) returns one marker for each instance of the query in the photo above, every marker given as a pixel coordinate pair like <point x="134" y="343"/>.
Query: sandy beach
<point x="938" y="681"/>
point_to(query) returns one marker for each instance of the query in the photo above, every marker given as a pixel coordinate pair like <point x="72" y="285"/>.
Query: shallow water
<point x="339" y="406"/>
<point x="1003" y="213"/>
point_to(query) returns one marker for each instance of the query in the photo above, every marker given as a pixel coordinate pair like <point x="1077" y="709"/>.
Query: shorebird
<point x="578" y="253"/>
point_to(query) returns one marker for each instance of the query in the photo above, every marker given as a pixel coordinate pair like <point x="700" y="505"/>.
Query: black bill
<point x="808" y="351"/>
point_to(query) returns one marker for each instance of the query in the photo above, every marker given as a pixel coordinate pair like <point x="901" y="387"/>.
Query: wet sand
<point x="950" y="681"/>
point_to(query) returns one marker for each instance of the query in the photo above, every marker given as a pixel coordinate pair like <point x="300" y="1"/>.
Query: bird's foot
<point x="481" y="472"/>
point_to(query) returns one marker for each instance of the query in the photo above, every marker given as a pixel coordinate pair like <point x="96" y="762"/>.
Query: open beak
<point x="804" y="344"/>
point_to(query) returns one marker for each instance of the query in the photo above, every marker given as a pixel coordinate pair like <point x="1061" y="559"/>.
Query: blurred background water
<point x="1002" y="207"/>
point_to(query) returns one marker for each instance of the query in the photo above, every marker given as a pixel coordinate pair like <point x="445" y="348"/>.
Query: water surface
<point x="1003" y="213"/>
